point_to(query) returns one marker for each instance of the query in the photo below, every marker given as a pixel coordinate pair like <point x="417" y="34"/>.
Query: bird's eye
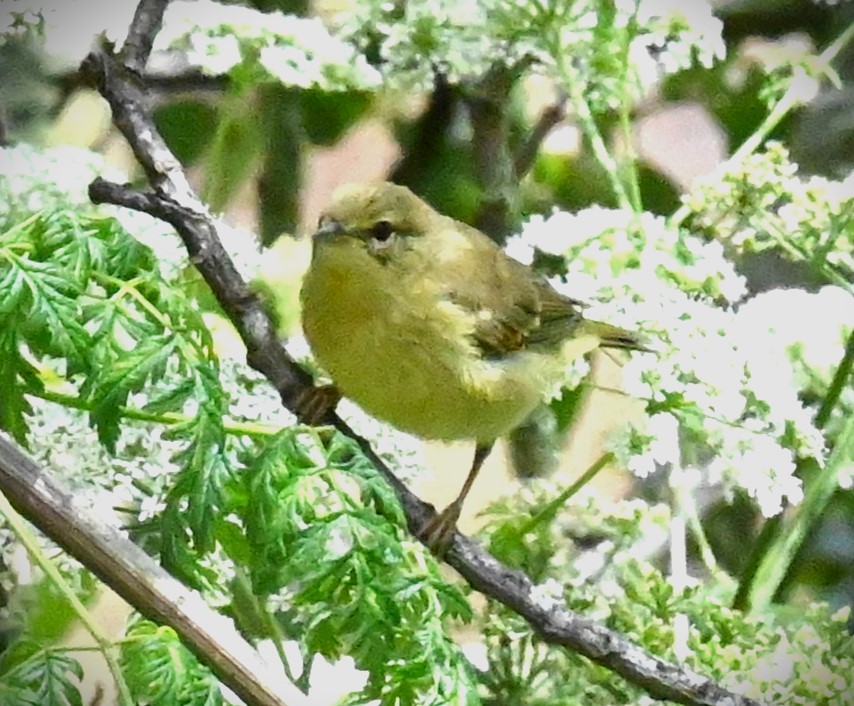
<point x="382" y="231"/>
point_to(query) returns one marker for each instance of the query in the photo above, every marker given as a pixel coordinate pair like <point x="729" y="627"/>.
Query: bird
<point x="428" y="325"/>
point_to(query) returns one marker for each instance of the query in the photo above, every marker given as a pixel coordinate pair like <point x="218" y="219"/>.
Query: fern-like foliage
<point x="160" y="670"/>
<point x="319" y="534"/>
<point x="325" y="541"/>
<point x="30" y="674"/>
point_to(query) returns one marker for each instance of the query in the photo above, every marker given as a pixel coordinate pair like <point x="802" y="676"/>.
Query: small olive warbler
<point x="426" y="324"/>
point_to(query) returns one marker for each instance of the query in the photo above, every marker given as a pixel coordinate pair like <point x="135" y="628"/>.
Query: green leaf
<point x="201" y="480"/>
<point x="325" y="527"/>
<point x="206" y="469"/>
<point x="44" y="611"/>
<point x="187" y="127"/>
<point x="236" y="147"/>
<point x="328" y="114"/>
<point x="42" y="298"/>
<point x="52" y="676"/>
<point x="17" y="377"/>
<point x="160" y="670"/>
<point x="109" y="392"/>
<point x="17" y="696"/>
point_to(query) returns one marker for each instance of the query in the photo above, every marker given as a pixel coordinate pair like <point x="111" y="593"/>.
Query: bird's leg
<point x="437" y="533"/>
<point x="315" y="404"/>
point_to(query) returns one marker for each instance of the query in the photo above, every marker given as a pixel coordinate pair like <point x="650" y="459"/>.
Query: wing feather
<point x="514" y="309"/>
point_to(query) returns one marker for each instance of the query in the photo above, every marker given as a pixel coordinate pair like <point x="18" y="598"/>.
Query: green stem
<point x="789" y="100"/>
<point x="837" y="384"/>
<point x="597" y="143"/>
<point x="574" y="90"/>
<point x="254" y="429"/>
<point x="695" y="526"/>
<point x="630" y="162"/>
<point x="761" y="547"/>
<point x="780" y="540"/>
<point x="105" y="645"/>
<point x="772" y="569"/>
<point x="630" y="159"/>
<point x="798" y="252"/>
<point x="547" y="513"/>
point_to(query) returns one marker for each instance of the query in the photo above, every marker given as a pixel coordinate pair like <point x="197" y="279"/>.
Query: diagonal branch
<point x="173" y="201"/>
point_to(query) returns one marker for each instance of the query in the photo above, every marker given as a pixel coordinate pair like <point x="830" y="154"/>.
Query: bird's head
<point x="375" y="218"/>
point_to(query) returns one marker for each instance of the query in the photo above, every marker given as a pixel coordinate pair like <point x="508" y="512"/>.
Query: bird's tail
<point x="616" y="337"/>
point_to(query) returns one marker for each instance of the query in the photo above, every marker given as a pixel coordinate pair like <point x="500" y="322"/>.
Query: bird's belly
<point x="419" y="376"/>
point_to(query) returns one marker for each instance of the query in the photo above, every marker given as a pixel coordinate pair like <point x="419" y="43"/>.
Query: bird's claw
<point x="438" y="532"/>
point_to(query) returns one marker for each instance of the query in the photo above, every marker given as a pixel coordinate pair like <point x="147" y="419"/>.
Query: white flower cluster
<point x="762" y="201"/>
<point x="464" y="39"/>
<point x="72" y="449"/>
<point x="295" y="51"/>
<point x="688" y="29"/>
<point x="648" y="255"/>
<point x="672" y="36"/>
<point x="456" y="38"/>
<point x="719" y="396"/>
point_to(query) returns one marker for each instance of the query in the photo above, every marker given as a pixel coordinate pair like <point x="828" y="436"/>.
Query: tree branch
<point x="526" y="154"/>
<point x="173" y="201"/>
<point x="4" y="129"/>
<point x="146" y="23"/>
<point x="76" y="526"/>
<point x="487" y="101"/>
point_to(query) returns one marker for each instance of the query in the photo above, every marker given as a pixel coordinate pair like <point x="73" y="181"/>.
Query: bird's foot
<point x="438" y="532"/>
<point x="315" y="405"/>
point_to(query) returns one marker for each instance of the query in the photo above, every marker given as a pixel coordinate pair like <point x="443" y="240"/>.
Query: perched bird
<point x="428" y="325"/>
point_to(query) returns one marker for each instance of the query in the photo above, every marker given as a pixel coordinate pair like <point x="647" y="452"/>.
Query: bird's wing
<point x="513" y="307"/>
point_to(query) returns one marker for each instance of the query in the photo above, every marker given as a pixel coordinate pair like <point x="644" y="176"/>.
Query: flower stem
<point x="781" y="539"/>
<point x="790" y="100"/>
<point x="547" y="513"/>
<point x="105" y="645"/>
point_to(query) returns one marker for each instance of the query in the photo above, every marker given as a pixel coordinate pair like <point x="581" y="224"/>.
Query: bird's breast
<point x="404" y="353"/>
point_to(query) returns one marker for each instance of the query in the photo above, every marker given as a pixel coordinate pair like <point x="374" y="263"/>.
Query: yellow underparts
<point x="395" y="345"/>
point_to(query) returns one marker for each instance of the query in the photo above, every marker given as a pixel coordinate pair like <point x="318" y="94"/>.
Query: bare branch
<point x="4" y="129"/>
<point x="77" y="527"/>
<point x="161" y="82"/>
<point x="487" y="100"/>
<point x="146" y="23"/>
<point x="527" y="153"/>
<point x="173" y="202"/>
